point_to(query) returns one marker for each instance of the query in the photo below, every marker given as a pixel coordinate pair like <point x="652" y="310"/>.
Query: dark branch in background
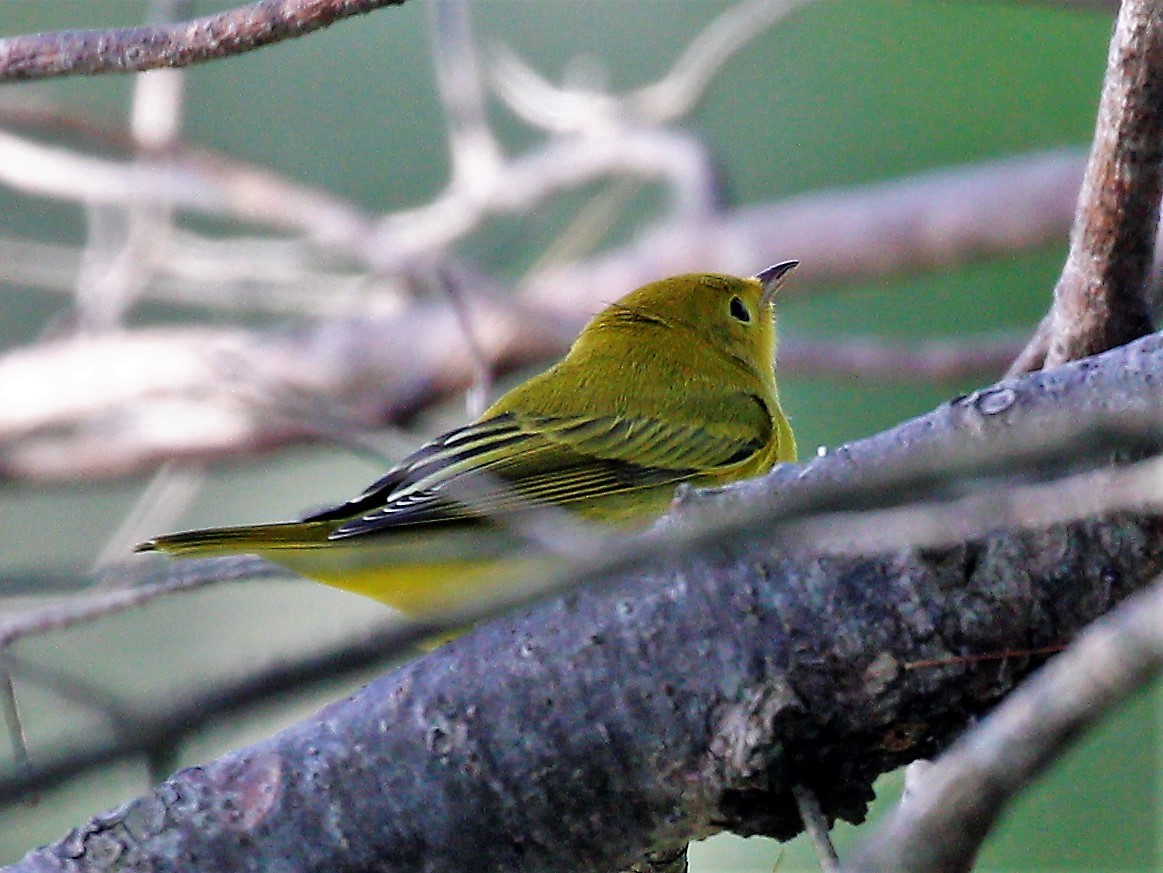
<point x="947" y="817"/>
<point x="1101" y="300"/>
<point x="133" y="49"/>
<point x="690" y="698"/>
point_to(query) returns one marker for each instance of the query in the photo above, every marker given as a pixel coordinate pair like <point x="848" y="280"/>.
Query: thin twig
<point x="190" y="179"/>
<point x="938" y="361"/>
<point x="476" y="398"/>
<point x="677" y="93"/>
<point x="94" y="697"/>
<point x="85" y="609"/>
<point x="12" y="718"/>
<point x="126" y="242"/>
<point x="87" y="52"/>
<point x="158" y="507"/>
<point x="573" y="110"/>
<point x="474" y="150"/>
<point x="816" y="828"/>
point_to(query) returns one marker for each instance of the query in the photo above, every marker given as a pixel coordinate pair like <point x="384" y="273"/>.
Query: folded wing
<point x="515" y="461"/>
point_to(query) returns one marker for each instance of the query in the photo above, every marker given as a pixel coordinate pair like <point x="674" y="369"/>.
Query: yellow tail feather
<point x="421" y="573"/>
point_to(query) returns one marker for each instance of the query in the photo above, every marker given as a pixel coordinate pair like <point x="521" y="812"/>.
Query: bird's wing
<point x="513" y="461"/>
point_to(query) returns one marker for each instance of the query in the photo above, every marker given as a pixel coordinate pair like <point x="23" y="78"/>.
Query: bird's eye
<point x="738" y="310"/>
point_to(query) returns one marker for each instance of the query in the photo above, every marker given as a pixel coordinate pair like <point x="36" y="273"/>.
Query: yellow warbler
<point x="673" y="383"/>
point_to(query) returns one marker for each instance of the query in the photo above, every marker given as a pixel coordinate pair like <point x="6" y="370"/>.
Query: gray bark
<point x="678" y="699"/>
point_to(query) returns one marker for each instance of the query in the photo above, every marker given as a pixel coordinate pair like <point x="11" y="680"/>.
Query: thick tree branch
<point x="86" y="52"/>
<point x="675" y="702"/>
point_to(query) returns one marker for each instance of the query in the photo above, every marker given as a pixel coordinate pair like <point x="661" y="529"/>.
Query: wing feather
<point x="513" y="461"/>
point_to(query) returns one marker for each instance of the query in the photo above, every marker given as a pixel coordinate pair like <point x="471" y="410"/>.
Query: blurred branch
<point x="1102" y="299"/>
<point x="140" y="586"/>
<point x="190" y="179"/>
<point x="210" y="37"/>
<point x="928" y="221"/>
<point x="677" y="93"/>
<point x="576" y="110"/>
<point x="122" y="402"/>
<point x="203" y="393"/>
<point x="125" y="242"/>
<point x="170" y="722"/>
<point x="65" y="395"/>
<point x="596" y="136"/>
<point x="475" y="152"/>
<point x="948" y="815"/>
<point x="940" y="361"/>
<point x="934" y="220"/>
<point x="730" y="671"/>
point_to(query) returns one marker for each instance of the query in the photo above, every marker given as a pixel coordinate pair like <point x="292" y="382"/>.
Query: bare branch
<point x="86" y="52"/>
<point x="958" y="800"/>
<point x="62" y="433"/>
<point x="816" y="828"/>
<point x="571" y="110"/>
<point x="709" y="685"/>
<point x="172" y="721"/>
<point x="475" y="152"/>
<point x="930" y="360"/>
<point x="921" y="222"/>
<point x="1101" y="299"/>
<point x="676" y="158"/>
<point x="87" y="609"/>
<point x="125" y="242"/>
<point x="201" y="393"/>
<point x="189" y="179"/>
<point x="677" y="93"/>
<point x="174" y="392"/>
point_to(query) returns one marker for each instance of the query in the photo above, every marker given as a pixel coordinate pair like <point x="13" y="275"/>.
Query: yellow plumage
<point x="673" y="383"/>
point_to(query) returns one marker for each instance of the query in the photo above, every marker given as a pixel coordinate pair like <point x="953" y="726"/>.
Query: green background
<point x="839" y="94"/>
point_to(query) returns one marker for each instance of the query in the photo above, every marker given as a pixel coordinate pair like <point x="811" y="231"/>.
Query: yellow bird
<point x="673" y="383"/>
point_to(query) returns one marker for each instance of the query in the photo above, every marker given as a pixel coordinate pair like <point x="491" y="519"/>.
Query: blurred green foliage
<point x="839" y="94"/>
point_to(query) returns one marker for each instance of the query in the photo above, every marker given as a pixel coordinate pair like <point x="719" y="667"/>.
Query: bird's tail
<point x="238" y="540"/>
